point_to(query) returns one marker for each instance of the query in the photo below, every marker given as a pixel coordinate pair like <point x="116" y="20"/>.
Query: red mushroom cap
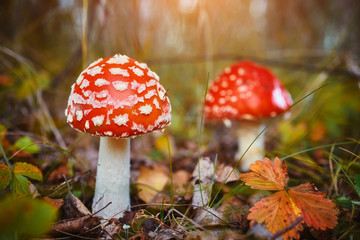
<point x="246" y="90"/>
<point x="118" y="97"/>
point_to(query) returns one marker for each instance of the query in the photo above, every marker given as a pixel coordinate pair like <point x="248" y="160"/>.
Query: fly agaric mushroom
<point x="116" y="98"/>
<point x="249" y="93"/>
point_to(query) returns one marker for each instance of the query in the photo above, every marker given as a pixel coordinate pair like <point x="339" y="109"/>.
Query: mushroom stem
<point x="112" y="178"/>
<point x="246" y="132"/>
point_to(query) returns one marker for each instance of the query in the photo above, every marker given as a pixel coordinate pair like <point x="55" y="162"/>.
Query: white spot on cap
<point x="85" y="83"/>
<point x="119" y="71"/>
<point x="79" y="115"/>
<point x="141" y="88"/>
<point x="70" y="118"/>
<point x="146" y="109"/>
<point x="95" y="62"/>
<point x="94" y="71"/>
<point x="279" y="99"/>
<point x="79" y="79"/>
<point x="151" y="83"/>
<point x="222" y="93"/>
<point x="215" y="88"/>
<point x="239" y="81"/>
<point x="233" y="99"/>
<point x="224" y="84"/>
<point x="161" y="92"/>
<point x="138" y="127"/>
<point x="87" y="124"/>
<point x="232" y="77"/>
<point x="87" y="93"/>
<point x="227" y="70"/>
<point x="163" y="118"/>
<point x="210" y="98"/>
<point x="241" y="71"/>
<point x="98" y="120"/>
<point x="150" y="128"/>
<point x="156" y="103"/>
<point x="121" y="119"/>
<point x="120" y="86"/>
<point x="125" y="134"/>
<point x="137" y="71"/>
<point x="66" y="112"/>
<point x="149" y="94"/>
<point x="153" y="74"/>
<point x="102" y="94"/>
<point x="119" y="59"/>
<point x="134" y="85"/>
<point x="141" y="65"/>
<point x="242" y="88"/>
<point x="222" y="101"/>
<point x="101" y="82"/>
<point x="108" y="133"/>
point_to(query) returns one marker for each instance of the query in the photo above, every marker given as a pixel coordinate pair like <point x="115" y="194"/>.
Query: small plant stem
<point x="9" y="165"/>
<point x="84" y="33"/>
<point x="334" y="179"/>
<point x="356" y="157"/>
<point x="347" y="176"/>
<point x="171" y="171"/>
<point x="200" y="131"/>
<point x="5" y="157"/>
<point x="314" y="148"/>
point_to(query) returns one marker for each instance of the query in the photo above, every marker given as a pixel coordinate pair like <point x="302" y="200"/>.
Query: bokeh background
<point x="44" y="45"/>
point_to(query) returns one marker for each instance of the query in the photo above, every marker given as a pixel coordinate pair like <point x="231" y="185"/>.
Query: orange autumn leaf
<point x="281" y="209"/>
<point x="267" y="175"/>
<point x="27" y="170"/>
<point x="277" y="212"/>
<point x="316" y="210"/>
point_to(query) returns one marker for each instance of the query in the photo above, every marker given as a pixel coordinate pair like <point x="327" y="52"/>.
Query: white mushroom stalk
<point x="247" y="132"/>
<point x="116" y="98"/>
<point x="112" y="178"/>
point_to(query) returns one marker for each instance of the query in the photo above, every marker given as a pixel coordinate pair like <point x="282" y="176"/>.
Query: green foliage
<point x="5" y="175"/>
<point x="27" y="145"/>
<point x="22" y="218"/>
<point x="357" y="184"/>
<point x="21" y="172"/>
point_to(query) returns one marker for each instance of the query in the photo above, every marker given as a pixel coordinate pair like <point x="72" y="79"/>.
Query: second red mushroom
<point x="248" y="93"/>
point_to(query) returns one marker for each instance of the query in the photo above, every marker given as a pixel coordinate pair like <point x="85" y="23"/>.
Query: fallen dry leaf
<point x="284" y="207"/>
<point x="223" y="171"/>
<point x="277" y="212"/>
<point x="316" y="210"/>
<point x="56" y="203"/>
<point x="266" y="175"/>
<point x="150" y="182"/>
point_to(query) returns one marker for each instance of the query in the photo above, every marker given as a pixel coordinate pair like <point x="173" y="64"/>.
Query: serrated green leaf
<point x="357" y="184"/>
<point x="27" y="144"/>
<point x="21" y="185"/>
<point x="27" y="170"/>
<point x="26" y="217"/>
<point x="5" y="175"/>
